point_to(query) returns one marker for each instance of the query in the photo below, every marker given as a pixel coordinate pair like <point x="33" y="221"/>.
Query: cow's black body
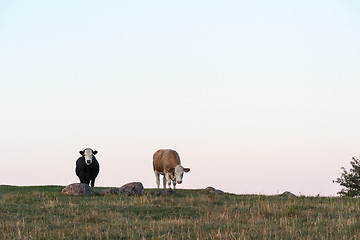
<point x="87" y="173"/>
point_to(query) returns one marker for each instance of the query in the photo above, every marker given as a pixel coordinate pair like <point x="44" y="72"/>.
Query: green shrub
<point x="350" y="180"/>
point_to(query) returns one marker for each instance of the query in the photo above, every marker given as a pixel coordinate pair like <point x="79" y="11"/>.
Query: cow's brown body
<point x="167" y="162"/>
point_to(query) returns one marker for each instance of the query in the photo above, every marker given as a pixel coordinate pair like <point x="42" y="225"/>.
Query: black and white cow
<point x="87" y="167"/>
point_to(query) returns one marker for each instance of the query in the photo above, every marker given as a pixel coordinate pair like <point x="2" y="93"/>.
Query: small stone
<point x="111" y="191"/>
<point x="214" y="191"/>
<point x="287" y="194"/>
<point x="166" y="192"/>
<point x="130" y="189"/>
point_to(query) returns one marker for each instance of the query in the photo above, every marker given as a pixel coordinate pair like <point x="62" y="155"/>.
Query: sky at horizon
<point x="256" y="97"/>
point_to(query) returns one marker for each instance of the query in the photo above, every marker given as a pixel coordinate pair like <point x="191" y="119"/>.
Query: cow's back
<point x="165" y="159"/>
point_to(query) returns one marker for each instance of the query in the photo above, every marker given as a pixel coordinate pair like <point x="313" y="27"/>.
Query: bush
<point x="350" y="180"/>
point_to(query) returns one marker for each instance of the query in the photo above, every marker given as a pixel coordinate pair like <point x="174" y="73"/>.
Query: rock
<point x="212" y="190"/>
<point x="166" y="192"/>
<point x="111" y="191"/>
<point x="287" y="194"/>
<point x="132" y="189"/>
<point x="78" y="189"/>
<point x="216" y="192"/>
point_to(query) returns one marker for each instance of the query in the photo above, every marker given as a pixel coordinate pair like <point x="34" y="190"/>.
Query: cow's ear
<point x="186" y="169"/>
<point x="172" y="170"/>
<point x="81" y="152"/>
<point x="95" y="152"/>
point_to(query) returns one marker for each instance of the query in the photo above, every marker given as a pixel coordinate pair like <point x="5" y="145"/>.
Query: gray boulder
<point x="132" y="189"/>
<point x="78" y="189"/>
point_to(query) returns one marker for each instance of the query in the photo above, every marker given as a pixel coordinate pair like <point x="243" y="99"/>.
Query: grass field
<point x="42" y="212"/>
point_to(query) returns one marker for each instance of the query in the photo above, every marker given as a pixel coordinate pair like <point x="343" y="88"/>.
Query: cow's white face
<point x="88" y="155"/>
<point x="179" y="173"/>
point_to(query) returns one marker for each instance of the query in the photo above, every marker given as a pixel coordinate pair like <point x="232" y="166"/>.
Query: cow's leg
<point x="157" y="175"/>
<point x="83" y="180"/>
<point x="168" y="180"/>
<point x="164" y="182"/>
<point x="174" y="183"/>
<point x="92" y="182"/>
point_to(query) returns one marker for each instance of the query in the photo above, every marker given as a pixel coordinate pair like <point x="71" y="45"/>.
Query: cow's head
<point x="178" y="173"/>
<point x="88" y="154"/>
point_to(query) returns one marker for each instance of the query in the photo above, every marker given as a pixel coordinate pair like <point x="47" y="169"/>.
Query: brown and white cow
<point x="167" y="163"/>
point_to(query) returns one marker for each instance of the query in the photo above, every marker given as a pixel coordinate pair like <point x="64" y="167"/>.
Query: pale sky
<point x="256" y="96"/>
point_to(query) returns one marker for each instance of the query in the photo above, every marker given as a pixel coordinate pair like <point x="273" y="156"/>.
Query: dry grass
<point x="43" y="213"/>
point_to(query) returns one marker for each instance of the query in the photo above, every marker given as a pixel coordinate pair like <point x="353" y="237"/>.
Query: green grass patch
<point x="42" y="212"/>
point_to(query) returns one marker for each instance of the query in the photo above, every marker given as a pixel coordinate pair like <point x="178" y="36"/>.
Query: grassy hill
<point x="42" y="212"/>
